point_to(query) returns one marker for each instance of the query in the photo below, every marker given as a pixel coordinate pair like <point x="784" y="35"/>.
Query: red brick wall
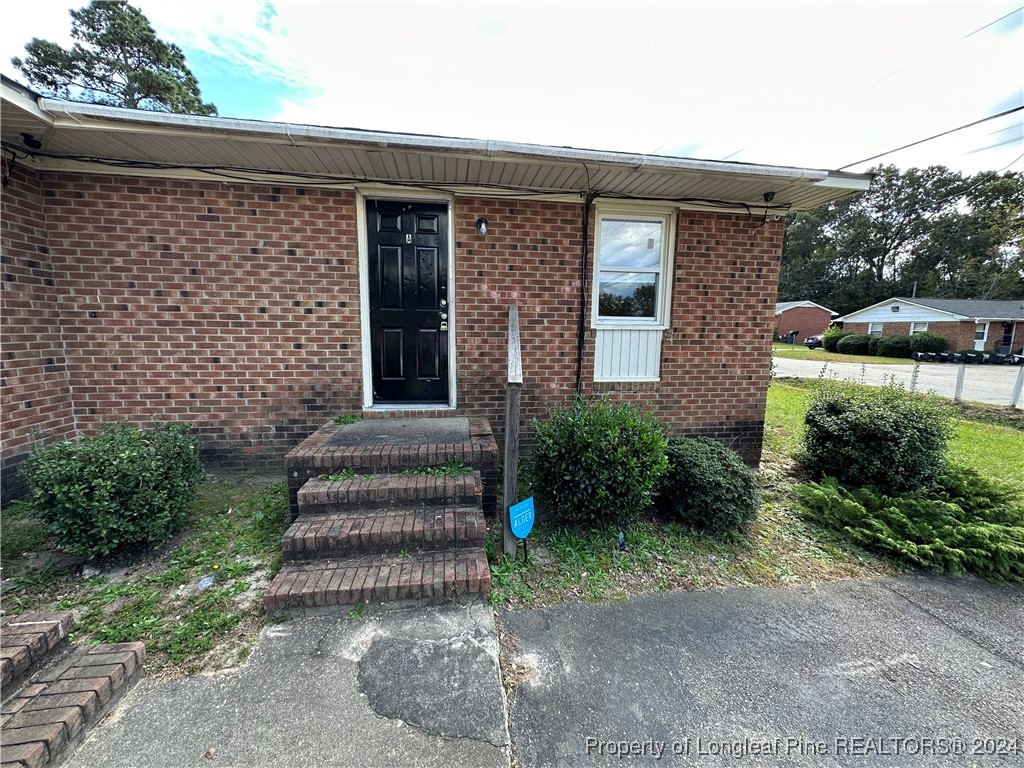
<point x="35" y="400"/>
<point x="958" y="334"/>
<point x="806" y="321"/>
<point x="232" y="306"/>
<point x="236" y="307"/>
<point x="715" y="356"/>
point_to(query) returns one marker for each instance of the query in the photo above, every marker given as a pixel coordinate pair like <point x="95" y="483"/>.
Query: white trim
<point x="984" y="338"/>
<point x="663" y="309"/>
<point x="799" y="305"/>
<point x="387" y="192"/>
<point x="871" y="329"/>
<point x="919" y="322"/>
<point x="852" y="316"/>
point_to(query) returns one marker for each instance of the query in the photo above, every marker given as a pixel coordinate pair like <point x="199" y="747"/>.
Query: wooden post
<point x="1018" y="385"/>
<point x="513" y="390"/>
<point x="958" y="390"/>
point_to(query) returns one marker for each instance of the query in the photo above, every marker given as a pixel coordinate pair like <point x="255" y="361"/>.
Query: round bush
<point x="894" y="346"/>
<point x="120" y="487"/>
<point x="928" y="342"/>
<point x="597" y="462"/>
<point x="880" y="436"/>
<point x="854" y="344"/>
<point x="708" y="486"/>
<point x="831" y="337"/>
<point x="873" y="343"/>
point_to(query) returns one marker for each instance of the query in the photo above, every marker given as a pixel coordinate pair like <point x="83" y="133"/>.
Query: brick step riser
<point x="52" y="714"/>
<point x="359" y="542"/>
<point x="384" y="504"/>
<point x="401" y="582"/>
<point x="434" y="594"/>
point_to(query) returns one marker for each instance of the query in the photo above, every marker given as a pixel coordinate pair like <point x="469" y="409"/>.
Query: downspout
<point x="581" y="334"/>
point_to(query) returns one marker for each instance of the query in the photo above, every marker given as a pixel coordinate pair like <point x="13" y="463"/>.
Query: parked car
<point x="813" y="342"/>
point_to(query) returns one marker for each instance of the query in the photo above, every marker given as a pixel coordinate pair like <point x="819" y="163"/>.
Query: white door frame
<point x="979" y="344"/>
<point x="363" y="193"/>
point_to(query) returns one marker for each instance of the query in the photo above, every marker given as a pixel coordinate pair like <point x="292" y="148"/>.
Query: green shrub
<point x="873" y="343"/>
<point x="597" y="462"/>
<point x="961" y="522"/>
<point x="894" y="346"/>
<point x="119" y="487"/>
<point x="707" y="485"/>
<point x="880" y="436"/>
<point x="831" y="337"/>
<point x="854" y="344"/>
<point x="928" y="342"/>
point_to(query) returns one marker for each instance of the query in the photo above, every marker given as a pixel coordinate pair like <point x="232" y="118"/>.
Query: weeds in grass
<point x="234" y="531"/>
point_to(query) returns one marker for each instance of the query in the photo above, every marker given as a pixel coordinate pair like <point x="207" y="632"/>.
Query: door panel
<point x="409" y="309"/>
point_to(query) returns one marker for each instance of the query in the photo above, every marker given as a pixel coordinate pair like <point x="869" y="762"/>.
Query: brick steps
<point x="426" y="577"/>
<point x="319" y="454"/>
<point x="373" y="492"/>
<point x="50" y="714"/>
<point x="386" y="535"/>
<point x="383" y="531"/>
<point x="28" y="640"/>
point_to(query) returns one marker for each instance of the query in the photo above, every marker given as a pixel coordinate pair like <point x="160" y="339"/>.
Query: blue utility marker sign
<point x="521" y="518"/>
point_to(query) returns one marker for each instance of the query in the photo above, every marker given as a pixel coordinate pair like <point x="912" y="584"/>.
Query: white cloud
<point x="817" y="85"/>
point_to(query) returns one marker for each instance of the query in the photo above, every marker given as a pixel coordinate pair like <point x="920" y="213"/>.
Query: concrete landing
<point x="403" y="432"/>
<point x="410" y="688"/>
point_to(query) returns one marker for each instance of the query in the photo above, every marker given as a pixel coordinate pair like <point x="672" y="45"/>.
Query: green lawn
<point x="993" y="450"/>
<point x="800" y="352"/>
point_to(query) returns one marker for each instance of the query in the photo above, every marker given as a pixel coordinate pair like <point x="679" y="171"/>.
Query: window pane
<point x="979" y="331"/>
<point x="626" y="294"/>
<point x="626" y="244"/>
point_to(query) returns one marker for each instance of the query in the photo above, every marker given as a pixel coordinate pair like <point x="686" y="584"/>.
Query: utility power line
<point x="930" y="138"/>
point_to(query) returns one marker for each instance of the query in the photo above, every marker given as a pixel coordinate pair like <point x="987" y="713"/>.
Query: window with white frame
<point x="918" y="328"/>
<point x="875" y="329"/>
<point x="980" y="331"/>
<point x="632" y="285"/>
<point x="631" y="271"/>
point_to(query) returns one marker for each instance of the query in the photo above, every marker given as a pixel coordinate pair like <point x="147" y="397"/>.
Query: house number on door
<point x="408" y="238"/>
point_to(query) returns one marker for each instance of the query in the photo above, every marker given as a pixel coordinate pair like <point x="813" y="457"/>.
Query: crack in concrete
<point x="956" y="630"/>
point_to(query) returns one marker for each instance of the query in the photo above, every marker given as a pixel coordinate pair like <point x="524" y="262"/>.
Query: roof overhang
<point x="93" y="138"/>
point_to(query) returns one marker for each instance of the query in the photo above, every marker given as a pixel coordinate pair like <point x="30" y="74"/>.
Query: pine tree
<point x="118" y="60"/>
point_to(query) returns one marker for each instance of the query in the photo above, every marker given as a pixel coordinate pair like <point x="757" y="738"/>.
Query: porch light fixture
<point x="481" y="226"/>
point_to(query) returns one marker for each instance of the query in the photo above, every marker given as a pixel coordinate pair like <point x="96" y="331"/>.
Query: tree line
<point x="931" y="232"/>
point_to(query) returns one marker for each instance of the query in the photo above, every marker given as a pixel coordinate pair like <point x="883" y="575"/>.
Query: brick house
<point x="804" y="317"/>
<point x="984" y="325"/>
<point x="257" y="279"/>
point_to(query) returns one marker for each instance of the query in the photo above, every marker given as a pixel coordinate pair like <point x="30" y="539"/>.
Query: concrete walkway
<point x="418" y="687"/>
<point x="843" y="675"/>
<point x="907" y="671"/>
<point x="991" y="384"/>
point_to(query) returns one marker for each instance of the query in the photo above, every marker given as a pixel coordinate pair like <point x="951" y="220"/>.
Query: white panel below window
<point x="627" y="355"/>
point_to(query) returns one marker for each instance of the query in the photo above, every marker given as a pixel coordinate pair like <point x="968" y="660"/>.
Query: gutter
<point x="80" y="115"/>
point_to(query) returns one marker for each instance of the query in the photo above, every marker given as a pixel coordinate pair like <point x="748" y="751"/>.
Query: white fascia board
<point x="74" y="114"/>
<point x="889" y="302"/>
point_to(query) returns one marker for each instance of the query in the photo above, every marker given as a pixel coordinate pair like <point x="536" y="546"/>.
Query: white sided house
<point x="982" y="325"/>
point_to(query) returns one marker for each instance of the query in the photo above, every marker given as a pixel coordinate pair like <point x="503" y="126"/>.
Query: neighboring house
<point x="804" y="317"/>
<point x="257" y="279"/>
<point x="990" y="326"/>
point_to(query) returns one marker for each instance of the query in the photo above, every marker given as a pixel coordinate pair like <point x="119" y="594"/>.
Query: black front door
<point x="409" y="310"/>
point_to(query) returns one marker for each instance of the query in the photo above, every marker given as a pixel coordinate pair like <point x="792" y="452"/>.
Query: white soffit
<point x="161" y="144"/>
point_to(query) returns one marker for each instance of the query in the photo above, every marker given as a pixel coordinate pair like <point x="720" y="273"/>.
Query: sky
<point x="815" y="84"/>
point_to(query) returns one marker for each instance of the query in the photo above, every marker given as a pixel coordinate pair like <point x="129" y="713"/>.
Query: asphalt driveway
<point x="909" y="671"/>
<point x="982" y="383"/>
